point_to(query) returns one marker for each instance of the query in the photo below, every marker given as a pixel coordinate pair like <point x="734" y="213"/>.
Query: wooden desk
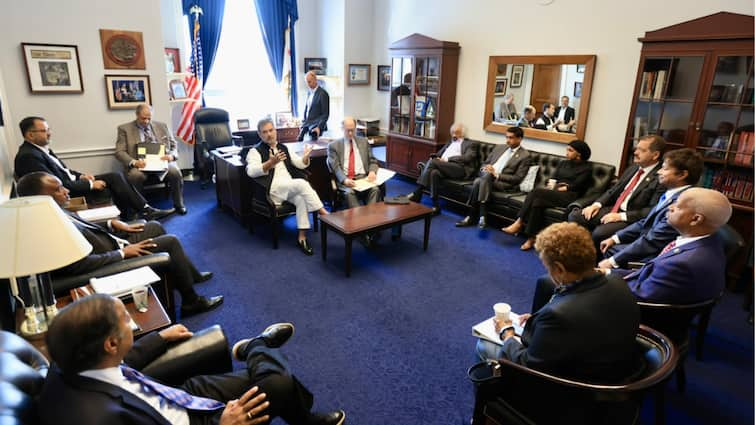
<point x="152" y="319"/>
<point x="354" y="222"/>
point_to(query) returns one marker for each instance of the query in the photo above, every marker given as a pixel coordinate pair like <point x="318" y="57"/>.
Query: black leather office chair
<point x="23" y="369"/>
<point x="212" y="130"/>
<point x="550" y="399"/>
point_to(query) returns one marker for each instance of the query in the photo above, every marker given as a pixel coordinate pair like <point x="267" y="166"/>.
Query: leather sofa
<point x="506" y="205"/>
<point x="23" y="369"/>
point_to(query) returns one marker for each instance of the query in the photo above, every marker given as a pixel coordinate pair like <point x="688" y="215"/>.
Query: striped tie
<point x="170" y="394"/>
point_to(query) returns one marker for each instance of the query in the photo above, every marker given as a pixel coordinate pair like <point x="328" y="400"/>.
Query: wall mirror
<point x="517" y="81"/>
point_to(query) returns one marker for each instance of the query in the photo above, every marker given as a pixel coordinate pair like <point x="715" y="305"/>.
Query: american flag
<point x="193" y="88"/>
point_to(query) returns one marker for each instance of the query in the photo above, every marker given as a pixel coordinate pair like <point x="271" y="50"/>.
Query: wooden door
<point x="546" y="82"/>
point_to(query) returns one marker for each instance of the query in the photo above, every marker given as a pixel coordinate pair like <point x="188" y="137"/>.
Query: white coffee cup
<point x="502" y="311"/>
<point x="140" y="295"/>
<point x="551" y="184"/>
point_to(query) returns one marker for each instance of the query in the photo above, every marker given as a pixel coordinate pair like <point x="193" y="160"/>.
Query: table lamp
<point x="39" y="238"/>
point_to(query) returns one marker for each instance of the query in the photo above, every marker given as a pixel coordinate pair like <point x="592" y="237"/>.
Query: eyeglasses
<point x="44" y="130"/>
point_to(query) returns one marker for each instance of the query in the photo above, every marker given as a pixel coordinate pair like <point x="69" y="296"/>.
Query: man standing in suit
<point x="144" y="130"/>
<point x="564" y="115"/>
<point x="126" y="241"/>
<point x="279" y="170"/>
<point x="630" y="198"/>
<point x="35" y="155"/>
<point x="96" y="378"/>
<point x="350" y="159"/>
<point x="316" y="110"/>
<point x="504" y="169"/>
<point x="644" y="239"/>
<point x="455" y="160"/>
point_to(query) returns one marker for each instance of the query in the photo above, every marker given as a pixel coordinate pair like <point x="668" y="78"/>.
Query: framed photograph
<point x="581" y="68"/>
<point x="127" y="91"/>
<point x="577" y="89"/>
<point x="172" y="60"/>
<point x="319" y="65"/>
<point x="52" y="68"/>
<point x="122" y="49"/>
<point x="243" y="124"/>
<point x="500" y="87"/>
<point x="500" y="70"/>
<point x="384" y="78"/>
<point x="177" y="89"/>
<point x="283" y="119"/>
<point x="359" y="74"/>
<point x="517" y="73"/>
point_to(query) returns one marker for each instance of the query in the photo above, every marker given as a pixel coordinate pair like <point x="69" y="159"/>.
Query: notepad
<point x="121" y="284"/>
<point x="486" y="329"/>
<point x="381" y="177"/>
<point x="99" y="214"/>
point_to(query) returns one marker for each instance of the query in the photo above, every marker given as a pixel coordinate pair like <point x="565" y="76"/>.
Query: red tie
<point x="668" y="248"/>
<point x="352" y="167"/>
<point x="625" y="194"/>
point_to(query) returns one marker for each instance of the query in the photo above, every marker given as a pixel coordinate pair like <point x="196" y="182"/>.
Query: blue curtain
<point x="210" y="24"/>
<point x="275" y="17"/>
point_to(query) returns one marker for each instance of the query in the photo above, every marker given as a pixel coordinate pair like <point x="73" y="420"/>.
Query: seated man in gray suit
<point x="456" y="160"/>
<point x="504" y="169"/>
<point x="144" y="130"/>
<point x="350" y="159"/>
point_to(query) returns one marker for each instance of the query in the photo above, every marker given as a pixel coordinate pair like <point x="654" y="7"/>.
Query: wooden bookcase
<point x="423" y="98"/>
<point x="695" y="88"/>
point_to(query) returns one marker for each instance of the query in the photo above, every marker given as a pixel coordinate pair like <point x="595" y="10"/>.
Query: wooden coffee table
<point x="355" y="222"/>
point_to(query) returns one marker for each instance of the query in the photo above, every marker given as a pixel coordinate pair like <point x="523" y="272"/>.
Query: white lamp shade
<point x="39" y="237"/>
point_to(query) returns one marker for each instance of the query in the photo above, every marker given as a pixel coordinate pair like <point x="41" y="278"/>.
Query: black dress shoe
<point x="201" y="305"/>
<point x="414" y="196"/>
<point x="151" y="213"/>
<point x="274" y="336"/>
<point x="483" y="223"/>
<point x="465" y="222"/>
<point x="304" y="247"/>
<point x="333" y="418"/>
<point x="203" y="277"/>
<point x="182" y="210"/>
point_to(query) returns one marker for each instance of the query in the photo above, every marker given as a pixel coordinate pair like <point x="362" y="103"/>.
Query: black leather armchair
<point x="23" y="369"/>
<point x="526" y="396"/>
<point x="212" y="130"/>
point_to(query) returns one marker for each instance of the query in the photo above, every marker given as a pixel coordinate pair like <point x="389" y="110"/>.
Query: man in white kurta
<point x="270" y="157"/>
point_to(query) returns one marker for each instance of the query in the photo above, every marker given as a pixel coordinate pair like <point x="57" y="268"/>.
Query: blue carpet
<point x="391" y="344"/>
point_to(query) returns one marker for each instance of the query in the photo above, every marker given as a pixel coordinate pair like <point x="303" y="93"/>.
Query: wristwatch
<point x="503" y="331"/>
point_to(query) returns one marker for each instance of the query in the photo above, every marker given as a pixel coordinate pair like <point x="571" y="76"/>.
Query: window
<point x="241" y="80"/>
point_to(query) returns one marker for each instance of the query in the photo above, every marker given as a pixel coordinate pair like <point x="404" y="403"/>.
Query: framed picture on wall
<point x="384" y="78"/>
<point x="172" y="60"/>
<point x="127" y="91"/>
<point x="283" y="119"/>
<point x="359" y="74"/>
<point x="52" y="68"/>
<point x="122" y="49"/>
<point x="500" y="70"/>
<point x="500" y="87"/>
<point x="581" y="68"/>
<point x="577" y="89"/>
<point x="318" y="65"/>
<point x="517" y="73"/>
<point x="177" y="89"/>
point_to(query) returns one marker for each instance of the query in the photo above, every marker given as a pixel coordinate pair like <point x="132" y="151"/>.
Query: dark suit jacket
<point x="317" y="115"/>
<point x="639" y="204"/>
<point x="336" y="157"/>
<point x="515" y="170"/>
<point x="689" y="274"/>
<point x="571" y="336"/>
<point x="645" y="238"/>
<point x="104" y="250"/>
<point x="568" y="116"/>
<point x="77" y="400"/>
<point x="468" y="157"/>
<point x="30" y="159"/>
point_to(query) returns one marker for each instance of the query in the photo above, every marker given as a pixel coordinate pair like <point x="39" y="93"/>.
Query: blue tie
<point x="172" y="395"/>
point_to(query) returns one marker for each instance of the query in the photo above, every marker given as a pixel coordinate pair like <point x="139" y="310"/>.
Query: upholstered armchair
<point x="212" y="130"/>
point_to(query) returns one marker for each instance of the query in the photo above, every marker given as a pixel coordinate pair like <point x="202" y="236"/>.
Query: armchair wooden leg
<point x="702" y="329"/>
<point x="315" y="222"/>
<point x="660" y="404"/>
<point x="681" y="376"/>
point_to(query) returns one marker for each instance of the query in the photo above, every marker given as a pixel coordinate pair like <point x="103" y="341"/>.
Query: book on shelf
<point x="745" y="147"/>
<point x="734" y="184"/>
<point x="659" y="84"/>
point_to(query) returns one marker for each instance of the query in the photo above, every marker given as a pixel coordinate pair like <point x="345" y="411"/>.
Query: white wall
<point x="485" y="28"/>
<point x="6" y="134"/>
<point x="83" y="128"/>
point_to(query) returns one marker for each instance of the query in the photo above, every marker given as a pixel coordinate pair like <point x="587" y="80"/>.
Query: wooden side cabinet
<point x="423" y="98"/>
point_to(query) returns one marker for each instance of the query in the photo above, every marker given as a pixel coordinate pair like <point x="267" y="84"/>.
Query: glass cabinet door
<point x="401" y="94"/>
<point x="427" y="81"/>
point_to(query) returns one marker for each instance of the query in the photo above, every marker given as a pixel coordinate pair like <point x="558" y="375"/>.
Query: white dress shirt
<point x="358" y="166"/>
<point x="279" y="187"/>
<point x="453" y="150"/>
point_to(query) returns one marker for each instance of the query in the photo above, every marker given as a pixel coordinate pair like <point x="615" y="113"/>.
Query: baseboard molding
<point x="85" y="153"/>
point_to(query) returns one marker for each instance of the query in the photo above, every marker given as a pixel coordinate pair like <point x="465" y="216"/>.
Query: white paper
<point x="99" y="214"/>
<point x="381" y="177"/>
<point x="120" y="284"/>
<point x="486" y="329"/>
